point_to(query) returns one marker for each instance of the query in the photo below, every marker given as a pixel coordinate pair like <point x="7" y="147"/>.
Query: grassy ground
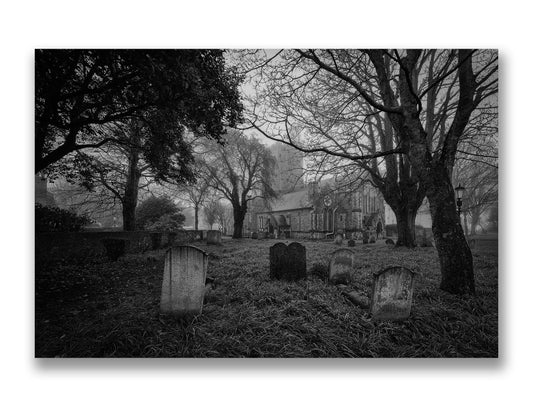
<point x="112" y="309"/>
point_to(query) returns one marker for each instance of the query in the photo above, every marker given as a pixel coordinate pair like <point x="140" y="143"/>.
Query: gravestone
<point x="288" y="262"/>
<point x="341" y="265"/>
<point x="389" y="241"/>
<point x="276" y="234"/>
<point x="254" y="235"/>
<point x="351" y="243"/>
<point x="338" y="239"/>
<point x="184" y="278"/>
<point x="392" y="294"/>
<point x="214" y="237"/>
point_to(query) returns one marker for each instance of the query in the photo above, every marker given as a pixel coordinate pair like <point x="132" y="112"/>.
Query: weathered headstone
<point x="288" y="262"/>
<point x="341" y="265"/>
<point x="184" y="277"/>
<point x="254" y="235"/>
<point x="392" y="294"/>
<point x="351" y="243"/>
<point x="338" y="239"/>
<point x="276" y="233"/>
<point x="389" y="241"/>
<point x="214" y="237"/>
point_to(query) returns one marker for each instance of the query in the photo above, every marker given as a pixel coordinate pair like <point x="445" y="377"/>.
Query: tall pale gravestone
<point x="392" y="294"/>
<point x="184" y="277"/>
<point x="214" y="237"/>
<point x="288" y="262"/>
<point x="341" y="266"/>
<point x="338" y="239"/>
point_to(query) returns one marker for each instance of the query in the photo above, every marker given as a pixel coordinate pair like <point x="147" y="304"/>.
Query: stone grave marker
<point x="392" y="294"/>
<point x="214" y="237"/>
<point x="254" y="235"/>
<point x="184" y="277"/>
<point x="389" y="241"/>
<point x="341" y="266"/>
<point x="338" y="239"/>
<point x="351" y="243"/>
<point x="288" y="262"/>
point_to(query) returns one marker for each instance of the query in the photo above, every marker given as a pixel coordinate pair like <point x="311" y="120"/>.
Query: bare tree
<point x="241" y="171"/>
<point x="400" y="111"/>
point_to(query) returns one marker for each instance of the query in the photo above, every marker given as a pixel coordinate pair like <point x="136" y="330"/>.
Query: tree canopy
<point x="84" y="97"/>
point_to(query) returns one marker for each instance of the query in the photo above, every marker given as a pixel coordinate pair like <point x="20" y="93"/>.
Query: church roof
<point x="291" y="201"/>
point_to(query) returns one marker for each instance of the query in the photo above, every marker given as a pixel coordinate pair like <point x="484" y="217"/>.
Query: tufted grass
<point x="112" y="309"/>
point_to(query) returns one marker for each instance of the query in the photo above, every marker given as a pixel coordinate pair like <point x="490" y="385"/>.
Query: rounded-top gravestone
<point x="288" y="262"/>
<point x="338" y="239"/>
<point x="392" y="294"/>
<point x="341" y="266"/>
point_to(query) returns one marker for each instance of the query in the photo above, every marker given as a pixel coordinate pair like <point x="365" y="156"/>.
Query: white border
<point x="341" y="24"/>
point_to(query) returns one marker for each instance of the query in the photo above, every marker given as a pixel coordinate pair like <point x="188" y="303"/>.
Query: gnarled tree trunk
<point x="239" y="214"/>
<point x="457" y="270"/>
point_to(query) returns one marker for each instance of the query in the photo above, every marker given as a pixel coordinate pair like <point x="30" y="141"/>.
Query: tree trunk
<point x="238" y="221"/>
<point x="457" y="270"/>
<point x="196" y="210"/>
<point x="131" y="191"/>
<point x="405" y="221"/>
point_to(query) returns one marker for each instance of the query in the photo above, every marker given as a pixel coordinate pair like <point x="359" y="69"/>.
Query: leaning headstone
<point x="338" y="239"/>
<point x="214" y="237"/>
<point x="392" y="294"/>
<point x="356" y="298"/>
<point x="288" y="262"/>
<point x="351" y="243"/>
<point x="341" y="265"/>
<point x="184" y="277"/>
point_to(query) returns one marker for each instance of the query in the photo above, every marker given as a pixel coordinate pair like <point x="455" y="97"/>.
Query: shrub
<point x="166" y="223"/>
<point x="49" y="219"/>
<point x="152" y="212"/>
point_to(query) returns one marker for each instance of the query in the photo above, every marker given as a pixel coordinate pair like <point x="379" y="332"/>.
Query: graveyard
<point x="103" y="308"/>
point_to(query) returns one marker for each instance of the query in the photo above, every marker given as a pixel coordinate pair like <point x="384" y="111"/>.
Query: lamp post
<point x="459" y="193"/>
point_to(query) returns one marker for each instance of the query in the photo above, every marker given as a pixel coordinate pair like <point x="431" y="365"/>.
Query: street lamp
<point x="459" y="193"/>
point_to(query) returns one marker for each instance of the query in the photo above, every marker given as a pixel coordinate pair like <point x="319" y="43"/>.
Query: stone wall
<point x="80" y="247"/>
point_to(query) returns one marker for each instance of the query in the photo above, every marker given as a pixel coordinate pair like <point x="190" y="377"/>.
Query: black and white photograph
<point x="266" y="203"/>
<point x="236" y="203"/>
